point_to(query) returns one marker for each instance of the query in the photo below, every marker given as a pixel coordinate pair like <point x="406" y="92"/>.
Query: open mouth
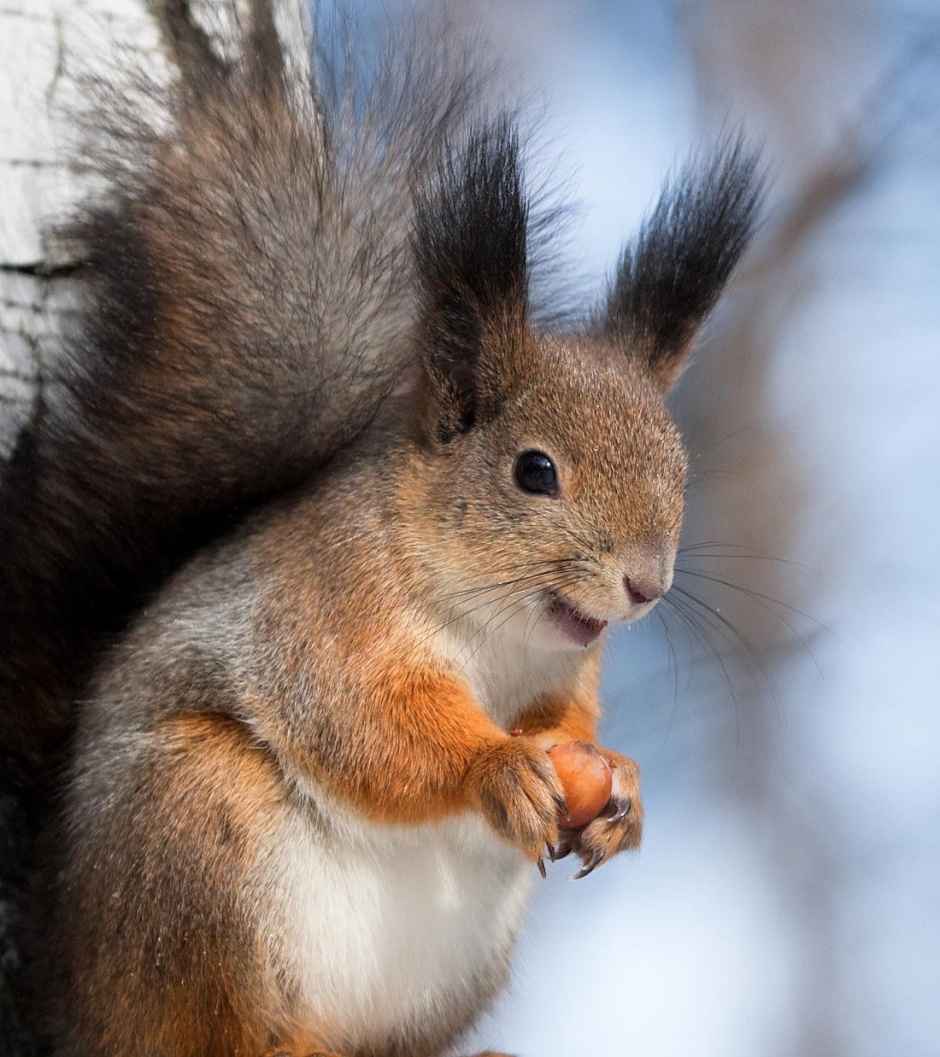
<point x="577" y="626"/>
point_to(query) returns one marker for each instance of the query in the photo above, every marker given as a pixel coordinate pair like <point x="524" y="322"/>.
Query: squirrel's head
<point x="548" y="477"/>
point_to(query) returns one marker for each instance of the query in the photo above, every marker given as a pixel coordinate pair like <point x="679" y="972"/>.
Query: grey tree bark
<point x="43" y="43"/>
<point x="47" y="50"/>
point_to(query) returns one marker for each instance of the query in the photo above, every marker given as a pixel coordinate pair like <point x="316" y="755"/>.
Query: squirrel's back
<point x="245" y="295"/>
<point x="246" y="292"/>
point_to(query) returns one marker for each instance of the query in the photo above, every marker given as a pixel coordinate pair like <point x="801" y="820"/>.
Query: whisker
<point x="512" y="605"/>
<point x="740" y="553"/>
<point x="548" y="563"/>
<point x="696" y="624"/>
<point x="672" y="663"/>
<point x="557" y="582"/>
<point x="755" y="662"/>
<point x="590" y="546"/>
<point x="767" y="602"/>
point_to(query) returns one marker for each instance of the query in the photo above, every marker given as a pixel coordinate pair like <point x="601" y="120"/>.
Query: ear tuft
<point x="669" y="280"/>
<point x="470" y="250"/>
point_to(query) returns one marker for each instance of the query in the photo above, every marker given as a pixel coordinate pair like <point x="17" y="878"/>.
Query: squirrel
<point x="310" y="552"/>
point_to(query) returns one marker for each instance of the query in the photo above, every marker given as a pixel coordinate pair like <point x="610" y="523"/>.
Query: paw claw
<point x="617" y="810"/>
<point x="518" y="792"/>
<point x="595" y="860"/>
<point x="540" y="862"/>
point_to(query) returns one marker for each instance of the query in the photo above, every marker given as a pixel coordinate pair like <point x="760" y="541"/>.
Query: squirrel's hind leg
<point x="158" y="911"/>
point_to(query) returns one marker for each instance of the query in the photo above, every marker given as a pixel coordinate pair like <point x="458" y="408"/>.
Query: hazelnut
<point x="585" y="778"/>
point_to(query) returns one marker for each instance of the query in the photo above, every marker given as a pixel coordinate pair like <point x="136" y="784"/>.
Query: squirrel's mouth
<point x="574" y="624"/>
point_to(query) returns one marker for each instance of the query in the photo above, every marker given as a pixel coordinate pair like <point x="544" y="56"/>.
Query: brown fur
<point x="282" y="609"/>
<point x="336" y="680"/>
<point x="329" y="614"/>
<point x="190" y="974"/>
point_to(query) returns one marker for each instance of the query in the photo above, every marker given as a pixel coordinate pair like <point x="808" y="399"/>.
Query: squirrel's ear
<point x="470" y="251"/>
<point x="667" y="282"/>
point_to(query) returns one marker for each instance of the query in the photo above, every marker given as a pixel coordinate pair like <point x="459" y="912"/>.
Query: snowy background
<point x="786" y="901"/>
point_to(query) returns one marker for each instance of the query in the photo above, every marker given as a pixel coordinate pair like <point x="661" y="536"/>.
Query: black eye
<point x="535" y="472"/>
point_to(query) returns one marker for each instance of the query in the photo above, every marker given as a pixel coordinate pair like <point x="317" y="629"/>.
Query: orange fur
<point x="189" y="941"/>
<point x="272" y="768"/>
<point x="555" y="718"/>
<point x="421" y="732"/>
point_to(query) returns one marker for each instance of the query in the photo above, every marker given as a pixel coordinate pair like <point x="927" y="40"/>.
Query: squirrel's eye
<point x="535" y="472"/>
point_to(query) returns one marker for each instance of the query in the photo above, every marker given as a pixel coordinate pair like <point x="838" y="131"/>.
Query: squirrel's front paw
<point x="519" y="793"/>
<point x="618" y="827"/>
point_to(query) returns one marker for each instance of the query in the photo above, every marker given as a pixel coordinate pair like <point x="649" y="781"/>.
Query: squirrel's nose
<point x="647" y="575"/>
<point x="642" y="589"/>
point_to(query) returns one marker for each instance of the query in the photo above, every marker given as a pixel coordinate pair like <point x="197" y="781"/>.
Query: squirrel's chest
<point x="506" y="675"/>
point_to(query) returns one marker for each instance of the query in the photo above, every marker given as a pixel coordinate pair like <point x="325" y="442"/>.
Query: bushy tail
<point x="246" y="305"/>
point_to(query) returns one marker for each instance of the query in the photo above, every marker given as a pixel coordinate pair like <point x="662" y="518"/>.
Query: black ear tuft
<point x="470" y="249"/>
<point x="669" y="280"/>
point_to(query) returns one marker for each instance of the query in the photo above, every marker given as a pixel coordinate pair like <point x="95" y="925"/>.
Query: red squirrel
<point x="310" y="553"/>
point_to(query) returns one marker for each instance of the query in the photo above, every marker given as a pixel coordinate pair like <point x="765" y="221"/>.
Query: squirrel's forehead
<point x="596" y="401"/>
<point x="610" y="432"/>
<point x="582" y="369"/>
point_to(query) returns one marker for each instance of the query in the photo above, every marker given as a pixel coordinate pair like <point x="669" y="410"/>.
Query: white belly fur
<point x="384" y="925"/>
<point x="387" y="927"/>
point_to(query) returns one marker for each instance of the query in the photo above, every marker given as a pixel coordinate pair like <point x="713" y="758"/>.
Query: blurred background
<point x="784" y="700"/>
<point x="784" y="706"/>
